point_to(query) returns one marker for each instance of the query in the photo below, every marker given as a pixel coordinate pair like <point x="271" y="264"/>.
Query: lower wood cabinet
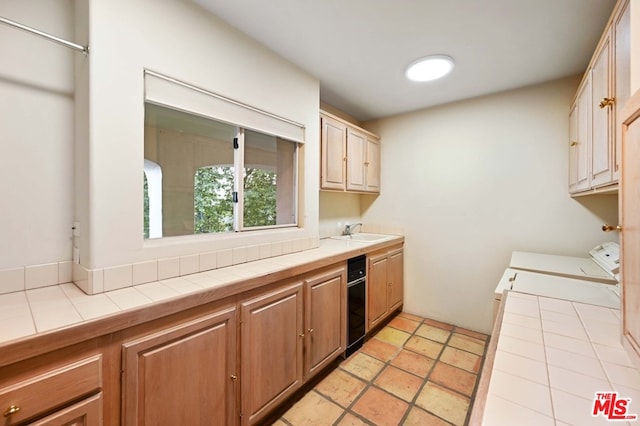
<point x="271" y="327"/>
<point x="87" y="412"/>
<point x="34" y="396"/>
<point x="182" y="375"/>
<point x="325" y="319"/>
<point x="385" y="282"/>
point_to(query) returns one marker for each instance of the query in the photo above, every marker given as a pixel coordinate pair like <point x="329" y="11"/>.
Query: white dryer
<point x="592" y="280"/>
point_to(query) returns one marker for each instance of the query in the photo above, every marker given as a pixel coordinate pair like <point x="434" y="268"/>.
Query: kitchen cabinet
<point x="182" y="374"/>
<point x="350" y="157"/>
<point x="271" y="326"/>
<point x="325" y="319"/>
<point x="594" y="156"/>
<point x="87" y="412"/>
<point x="385" y="283"/>
<point x="630" y="225"/>
<point x="580" y="136"/>
<point x="47" y="395"/>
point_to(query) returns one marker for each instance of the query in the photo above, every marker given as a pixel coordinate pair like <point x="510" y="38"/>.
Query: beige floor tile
<point x="444" y="403"/>
<point x="471" y="333"/>
<point x="363" y="366"/>
<point x="453" y="378"/>
<point x="461" y="359"/>
<point x="380" y="408"/>
<point x="393" y="336"/>
<point x="341" y="387"/>
<point x="418" y="417"/>
<point x="467" y="343"/>
<point x="404" y="324"/>
<point x="351" y="420"/>
<point x="413" y="363"/>
<point x="433" y="333"/>
<point x="399" y="383"/>
<point x="423" y="346"/>
<point x="439" y="324"/>
<point x="411" y="316"/>
<point x="313" y="409"/>
<point x="381" y="350"/>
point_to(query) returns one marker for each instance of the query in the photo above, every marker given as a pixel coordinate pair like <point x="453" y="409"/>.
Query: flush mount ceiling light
<point x="429" y="68"/>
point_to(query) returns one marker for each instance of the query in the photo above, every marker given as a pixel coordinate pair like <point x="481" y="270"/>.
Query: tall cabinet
<point x="595" y="116"/>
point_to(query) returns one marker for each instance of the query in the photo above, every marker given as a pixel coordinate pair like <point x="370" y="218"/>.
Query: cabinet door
<point x="373" y="165"/>
<point x="377" y="289"/>
<point x="87" y="412"/>
<point x="601" y="161"/>
<point x="271" y="350"/>
<point x="356" y="158"/>
<point x="622" y="78"/>
<point x="396" y="279"/>
<point x="333" y="139"/>
<point x="573" y="148"/>
<point x="630" y="222"/>
<point x="584" y="136"/>
<point x="183" y="375"/>
<point x="325" y="319"/>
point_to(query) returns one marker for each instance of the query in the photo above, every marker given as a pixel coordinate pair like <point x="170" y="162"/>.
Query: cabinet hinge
<point x="235" y="143"/>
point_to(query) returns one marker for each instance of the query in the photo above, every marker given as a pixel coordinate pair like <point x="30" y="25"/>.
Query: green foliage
<point x="213" y="200"/>
<point x="259" y="197"/>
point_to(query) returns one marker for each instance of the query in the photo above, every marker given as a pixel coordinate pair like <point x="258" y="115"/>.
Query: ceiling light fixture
<point x="429" y="68"/>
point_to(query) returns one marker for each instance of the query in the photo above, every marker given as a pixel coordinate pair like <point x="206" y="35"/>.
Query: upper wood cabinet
<point x="349" y="155"/>
<point x="594" y="122"/>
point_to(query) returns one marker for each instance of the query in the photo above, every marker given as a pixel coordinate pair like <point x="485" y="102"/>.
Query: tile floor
<point x="414" y="371"/>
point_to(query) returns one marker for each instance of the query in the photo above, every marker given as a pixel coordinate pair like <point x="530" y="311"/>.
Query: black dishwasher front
<point x="356" y="302"/>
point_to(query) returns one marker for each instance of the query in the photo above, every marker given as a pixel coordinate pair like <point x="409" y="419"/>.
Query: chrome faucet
<point x="348" y="229"/>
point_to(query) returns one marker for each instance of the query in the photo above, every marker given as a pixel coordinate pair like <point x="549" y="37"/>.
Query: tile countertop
<point x="552" y="357"/>
<point x="31" y="313"/>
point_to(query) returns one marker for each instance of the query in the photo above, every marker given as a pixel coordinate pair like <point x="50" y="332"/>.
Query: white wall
<point x="474" y="180"/>
<point x="36" y="139"/>
<point x="177" y="39"/>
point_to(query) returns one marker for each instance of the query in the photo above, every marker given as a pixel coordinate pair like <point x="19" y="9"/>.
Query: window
<point x="216" y="177"/>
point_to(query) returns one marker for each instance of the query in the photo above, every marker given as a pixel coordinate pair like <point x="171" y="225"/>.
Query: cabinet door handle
<point x="11" y="410"/>
<point x="310" y="330"/>
<point x="609" y="228"/>
<point x="607" y="102"/>
<point x="234" y="377"/>
<point x="574" y="143"/>
<point x="301" y="334"/>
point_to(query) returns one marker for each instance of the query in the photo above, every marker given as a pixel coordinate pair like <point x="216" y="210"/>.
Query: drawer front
<point x="45" y="392"/>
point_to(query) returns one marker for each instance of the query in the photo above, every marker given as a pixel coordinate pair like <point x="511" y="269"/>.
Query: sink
<point x="364" y="237"/>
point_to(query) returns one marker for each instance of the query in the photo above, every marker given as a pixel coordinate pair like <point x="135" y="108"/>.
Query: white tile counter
<point x="552" y="357"/>
<point x="31" y="312"/>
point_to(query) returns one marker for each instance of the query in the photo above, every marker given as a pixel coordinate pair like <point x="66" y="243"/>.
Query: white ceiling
<point x="359" y="49"/>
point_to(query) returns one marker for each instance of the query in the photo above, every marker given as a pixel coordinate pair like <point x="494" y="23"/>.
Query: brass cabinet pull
<point x="11" y="410"/>
<point x="609" y="228"/>
<point x="607" y="102"/>
<point x="301" y="334"/>
<point x="310" y="330"/>
<point x="574" y="143"/>
<point x="234" y="377"/>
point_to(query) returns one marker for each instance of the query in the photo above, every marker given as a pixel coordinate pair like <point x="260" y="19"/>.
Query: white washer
<point x="590" y="280"/>
<point x="602" y="265"/>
